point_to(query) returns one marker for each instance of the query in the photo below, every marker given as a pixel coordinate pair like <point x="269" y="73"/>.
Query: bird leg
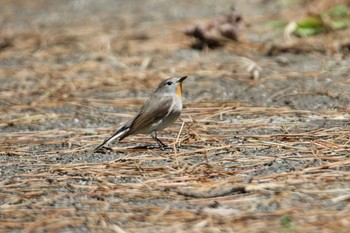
<point x="159" y="142"/>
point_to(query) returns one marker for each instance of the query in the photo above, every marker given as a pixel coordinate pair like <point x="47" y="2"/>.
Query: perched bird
<point x="160" y="110"/>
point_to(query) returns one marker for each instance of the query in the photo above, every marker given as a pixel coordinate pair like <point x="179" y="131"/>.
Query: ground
<point x="269" y="153"/>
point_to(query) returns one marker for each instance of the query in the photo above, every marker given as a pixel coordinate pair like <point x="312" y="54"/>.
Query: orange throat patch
<point x="179" y="90"/>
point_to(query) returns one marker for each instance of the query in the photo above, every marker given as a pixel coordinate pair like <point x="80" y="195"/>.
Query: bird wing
<point x="154" y="109"/>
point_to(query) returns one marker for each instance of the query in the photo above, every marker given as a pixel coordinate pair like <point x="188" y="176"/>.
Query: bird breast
<point x="172" y="115"/>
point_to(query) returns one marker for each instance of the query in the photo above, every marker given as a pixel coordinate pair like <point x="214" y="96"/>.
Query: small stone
<point x="282" y="60"/>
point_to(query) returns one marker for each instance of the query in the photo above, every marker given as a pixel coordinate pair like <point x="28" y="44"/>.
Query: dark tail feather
<point x="116" y="135"/>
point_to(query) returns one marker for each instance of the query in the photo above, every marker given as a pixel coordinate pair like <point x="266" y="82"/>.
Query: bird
<point x="159" y="111"/>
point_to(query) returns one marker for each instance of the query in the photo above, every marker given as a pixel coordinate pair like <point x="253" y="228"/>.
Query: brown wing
<point x="154" y="109"/>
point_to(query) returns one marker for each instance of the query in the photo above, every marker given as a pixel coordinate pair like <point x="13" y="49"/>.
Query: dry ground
<point x="270" y="154"/>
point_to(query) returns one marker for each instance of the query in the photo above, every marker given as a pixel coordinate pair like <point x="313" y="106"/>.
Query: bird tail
<point x="120" y="133"/>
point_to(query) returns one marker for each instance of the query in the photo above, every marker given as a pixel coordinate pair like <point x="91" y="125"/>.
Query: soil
<point x="268" y="153"/>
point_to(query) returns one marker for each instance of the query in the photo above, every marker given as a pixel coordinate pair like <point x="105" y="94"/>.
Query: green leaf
<point x="338" y="11"/>
<point x="303" y="32"/>
<point x="310" y="22"/>
<point x="336" y="18"/>
<point x="309" y="26"/>
<point x="339" y="24"/>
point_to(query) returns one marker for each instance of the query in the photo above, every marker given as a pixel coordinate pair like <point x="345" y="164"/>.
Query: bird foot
<point x="103" y="149"/>
<point x="151" y="147"/>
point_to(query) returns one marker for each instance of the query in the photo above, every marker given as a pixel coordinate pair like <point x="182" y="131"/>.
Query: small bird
<point x="160" y="110"/>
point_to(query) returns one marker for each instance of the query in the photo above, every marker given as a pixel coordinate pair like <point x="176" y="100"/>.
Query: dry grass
<point x="207" y="184"/>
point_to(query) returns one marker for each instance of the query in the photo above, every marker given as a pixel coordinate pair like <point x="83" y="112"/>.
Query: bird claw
<point x="151" y="147"/>
<point x="103" y="149"/>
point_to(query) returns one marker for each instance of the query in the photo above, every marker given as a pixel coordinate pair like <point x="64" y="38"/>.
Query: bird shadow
<point x="106" y="149"/>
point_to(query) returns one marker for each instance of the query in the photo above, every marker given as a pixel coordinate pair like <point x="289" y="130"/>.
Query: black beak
<point x="181" y="79"/>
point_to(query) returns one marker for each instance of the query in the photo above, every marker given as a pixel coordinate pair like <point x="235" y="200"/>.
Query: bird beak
<point x="181" y="79"/>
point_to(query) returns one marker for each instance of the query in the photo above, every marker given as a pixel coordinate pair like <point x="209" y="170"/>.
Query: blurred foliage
<point x="286" y="222"/>
<point x="311" y="25"/>
<point x="289" y="2"/>
<point x="336" y="18"/>
<point x="276" y="23"/>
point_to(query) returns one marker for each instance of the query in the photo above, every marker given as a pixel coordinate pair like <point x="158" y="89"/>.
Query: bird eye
<point x="169" y="83"/>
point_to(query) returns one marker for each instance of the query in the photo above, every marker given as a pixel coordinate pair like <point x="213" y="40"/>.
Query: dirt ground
<point x="263" y="154"/>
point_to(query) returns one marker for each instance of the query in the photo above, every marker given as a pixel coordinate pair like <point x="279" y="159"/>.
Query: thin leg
<point x="159" y="142"/>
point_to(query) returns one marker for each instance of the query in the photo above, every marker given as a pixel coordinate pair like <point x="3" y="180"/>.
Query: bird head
<point x="171" y="85"/>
